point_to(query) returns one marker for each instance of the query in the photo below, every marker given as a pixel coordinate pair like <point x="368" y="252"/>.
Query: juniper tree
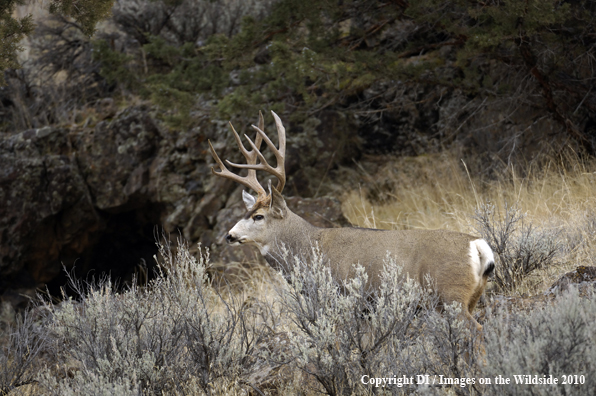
<point x="86" y="13"/>
<point x="305" y="56"/>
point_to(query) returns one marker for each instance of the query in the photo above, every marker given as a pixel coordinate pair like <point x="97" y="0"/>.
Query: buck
<point x="459" y="264"/>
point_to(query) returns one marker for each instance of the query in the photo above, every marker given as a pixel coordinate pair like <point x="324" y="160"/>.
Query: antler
<point x="251" y="156"/>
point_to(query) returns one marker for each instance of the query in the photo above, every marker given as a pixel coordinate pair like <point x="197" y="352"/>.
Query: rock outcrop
<point x="583" y="278"/>
<point x="93" y="197"/>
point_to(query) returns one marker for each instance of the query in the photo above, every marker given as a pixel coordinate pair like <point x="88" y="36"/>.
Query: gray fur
<point x="443" y="255"/>
<point x="458" y="264"/>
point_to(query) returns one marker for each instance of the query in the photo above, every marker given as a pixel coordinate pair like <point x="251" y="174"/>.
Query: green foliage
<point x="302" y="62"/>
<point x="185" y="69"/>
<point x="86" y="12"/>
<point x="175" y="100"/>
<point x="498" y="30"/>
<point x="12" y="31"/>
<point x="306" y="56"/>
<point x="115" y="66"/>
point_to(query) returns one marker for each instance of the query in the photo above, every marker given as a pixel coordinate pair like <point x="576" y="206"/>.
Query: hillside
<point x="464" y="115"/>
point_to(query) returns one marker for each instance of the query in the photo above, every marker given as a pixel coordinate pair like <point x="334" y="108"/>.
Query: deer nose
<point x="231" y="239"/>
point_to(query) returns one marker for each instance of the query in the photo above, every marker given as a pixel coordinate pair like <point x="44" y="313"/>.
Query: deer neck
<point x="295" y="237"/>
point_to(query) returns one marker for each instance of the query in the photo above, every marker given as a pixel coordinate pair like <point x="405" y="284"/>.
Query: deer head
<point x="269" y="207"/>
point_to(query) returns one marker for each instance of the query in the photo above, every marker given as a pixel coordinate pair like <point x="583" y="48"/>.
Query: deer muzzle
<point x="231" y="239"/>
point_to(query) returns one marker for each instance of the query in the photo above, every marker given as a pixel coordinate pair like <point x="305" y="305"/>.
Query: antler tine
<point x="279" y="171"/>
<point x="250" y="180"/>
<point x="251" y="156"/>
<point x="280" y="154"/>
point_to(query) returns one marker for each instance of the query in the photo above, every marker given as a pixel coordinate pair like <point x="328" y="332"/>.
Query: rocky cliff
<point x="96" y="197"/>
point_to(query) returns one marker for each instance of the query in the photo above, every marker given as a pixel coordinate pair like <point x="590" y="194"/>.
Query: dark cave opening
<point x="122" y="249"/>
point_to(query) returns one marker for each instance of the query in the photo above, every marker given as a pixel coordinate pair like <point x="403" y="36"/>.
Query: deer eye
<point x="258" y="217"/>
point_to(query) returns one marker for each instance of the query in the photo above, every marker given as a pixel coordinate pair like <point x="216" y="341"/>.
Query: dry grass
<point x="437" y="194"/>
<point x="25" y="390"/>
<point x="430" y="192"/>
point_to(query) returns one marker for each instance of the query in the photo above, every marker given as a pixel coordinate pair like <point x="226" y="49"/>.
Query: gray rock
<point x="93" y="195"/>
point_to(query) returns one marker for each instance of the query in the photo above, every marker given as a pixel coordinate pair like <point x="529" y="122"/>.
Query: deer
<point x="457" y="263"/>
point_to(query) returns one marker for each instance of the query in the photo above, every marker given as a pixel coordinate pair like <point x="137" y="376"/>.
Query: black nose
<point x="230" y="238"/>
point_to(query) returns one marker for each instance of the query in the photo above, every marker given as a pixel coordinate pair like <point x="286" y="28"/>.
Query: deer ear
<point x="249" y="200"/>
<point x="277" y="204"/>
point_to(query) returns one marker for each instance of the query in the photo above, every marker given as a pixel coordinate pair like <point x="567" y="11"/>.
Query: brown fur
<point x="443" y="255"/>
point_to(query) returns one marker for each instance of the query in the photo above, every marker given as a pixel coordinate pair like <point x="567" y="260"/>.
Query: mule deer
<point x="459" y="264"/>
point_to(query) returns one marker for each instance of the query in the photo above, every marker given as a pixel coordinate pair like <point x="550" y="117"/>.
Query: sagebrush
<point x="179" y="335"/>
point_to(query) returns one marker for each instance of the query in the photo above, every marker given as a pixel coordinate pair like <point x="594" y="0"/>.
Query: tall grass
<point x="431" y="192"/>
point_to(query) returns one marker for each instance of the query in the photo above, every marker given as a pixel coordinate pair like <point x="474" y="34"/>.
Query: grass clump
<point x="345" y="335"/>
<point x="539" y="222"/>
<point x="178" y="335"/>
<point x="175" y="334"/>
<point x="558" y="340"/>
<point x="520" y="247"/>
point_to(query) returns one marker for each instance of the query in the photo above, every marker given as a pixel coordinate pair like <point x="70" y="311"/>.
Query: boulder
<point x="583" y="277"/>
<point x="96" y="196"/>
<point x="62" y="190"/>
<point x="44" y="204"/>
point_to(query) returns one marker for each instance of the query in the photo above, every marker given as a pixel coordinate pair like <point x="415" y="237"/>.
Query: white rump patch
<point x="481" y="256"/>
